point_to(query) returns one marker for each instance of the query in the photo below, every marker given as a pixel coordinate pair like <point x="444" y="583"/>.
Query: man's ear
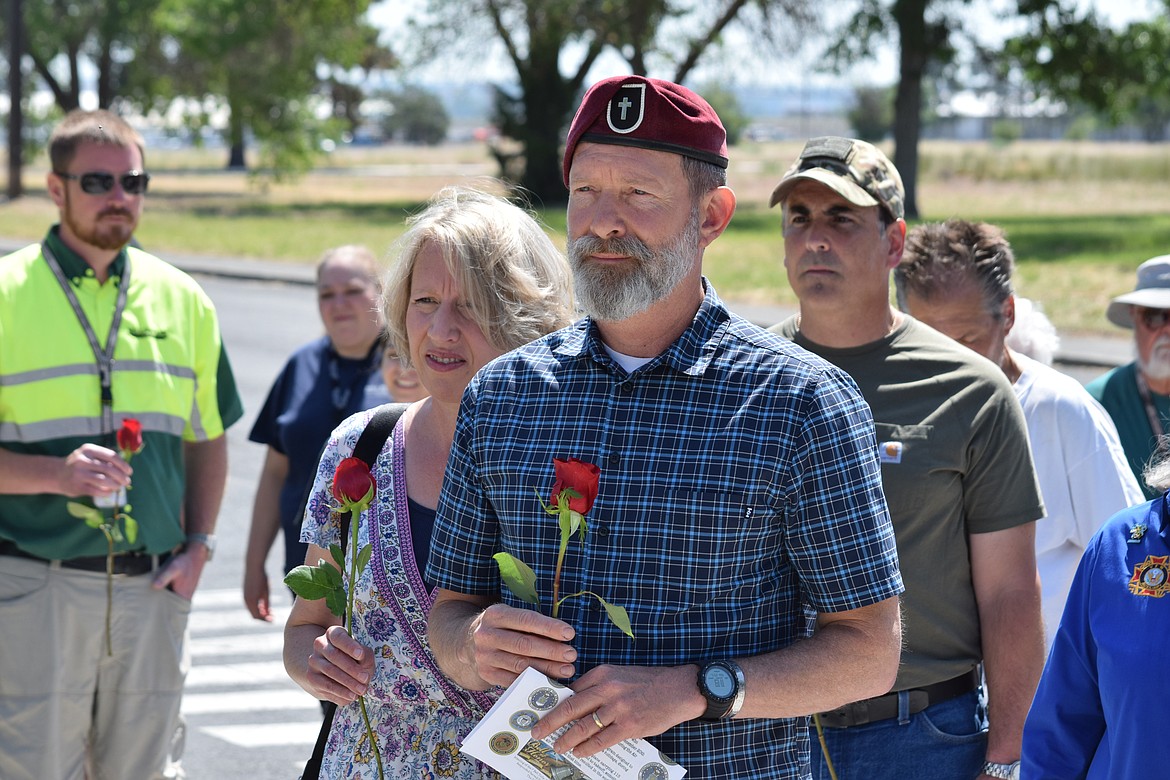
<point x="1009" y="313"/>
<point x="56" y="187"/>
<point x="895" y="243"/>
<point x="717" y="207"/>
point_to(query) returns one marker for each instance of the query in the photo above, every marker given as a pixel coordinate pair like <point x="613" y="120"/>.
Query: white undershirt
<point x="627" y="362"/>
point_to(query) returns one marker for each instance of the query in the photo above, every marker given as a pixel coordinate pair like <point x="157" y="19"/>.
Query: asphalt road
<point x="245" y="718"/>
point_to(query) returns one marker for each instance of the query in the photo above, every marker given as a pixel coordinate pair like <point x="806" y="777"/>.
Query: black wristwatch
<point x="722" y="685"/>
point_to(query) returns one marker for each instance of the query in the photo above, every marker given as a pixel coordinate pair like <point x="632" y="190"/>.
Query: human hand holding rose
<point x="120" y="527"/>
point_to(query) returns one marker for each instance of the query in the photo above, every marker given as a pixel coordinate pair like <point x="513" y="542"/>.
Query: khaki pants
<point x="66" y="707"/>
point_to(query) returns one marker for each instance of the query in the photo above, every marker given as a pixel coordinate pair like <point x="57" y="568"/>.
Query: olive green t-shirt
<point x="955" y="461"/>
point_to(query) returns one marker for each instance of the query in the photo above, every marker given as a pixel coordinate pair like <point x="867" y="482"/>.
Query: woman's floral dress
<point x="417" y="713"/>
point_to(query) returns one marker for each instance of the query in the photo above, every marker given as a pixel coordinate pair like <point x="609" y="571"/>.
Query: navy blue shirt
<point x="315" y="391"/>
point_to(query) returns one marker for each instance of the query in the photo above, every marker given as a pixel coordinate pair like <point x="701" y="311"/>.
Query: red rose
<point x="130" y="437"/>
<point x="353" y="484"/>
<point x="580" y="477"/>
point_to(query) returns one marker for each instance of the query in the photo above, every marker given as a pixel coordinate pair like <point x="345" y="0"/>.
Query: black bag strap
<point x="377" y="431"/>
<point x="369" y="444"/>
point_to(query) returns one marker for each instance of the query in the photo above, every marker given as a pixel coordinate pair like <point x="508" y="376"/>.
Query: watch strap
<point x="717" y="708"/>
<point x="207" y="540"/>
<point x="1003" y="771"/>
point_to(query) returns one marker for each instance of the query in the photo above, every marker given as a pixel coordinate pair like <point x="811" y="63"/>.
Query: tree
<point x="925" y="30"/>
<point x="419" y="117"/>
<point x="1073" y="55"/>
<point x="259" y="59"/>
<point x="872" y="114"/>
<point x="552" y="45"/>
<point x="62" y="34"/>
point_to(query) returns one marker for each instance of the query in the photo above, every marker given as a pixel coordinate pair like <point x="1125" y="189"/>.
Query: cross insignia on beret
<point x="626" y="108"/>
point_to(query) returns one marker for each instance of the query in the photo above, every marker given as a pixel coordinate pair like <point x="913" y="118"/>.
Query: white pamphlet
<point x="502" y="741"/>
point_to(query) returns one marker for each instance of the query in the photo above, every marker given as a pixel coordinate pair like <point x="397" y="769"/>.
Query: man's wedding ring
<point x="597" y="720"/>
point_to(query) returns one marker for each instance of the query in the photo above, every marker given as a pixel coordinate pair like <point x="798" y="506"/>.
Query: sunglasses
<point x="133" y="182"/>
<point x="1153" y="319"/>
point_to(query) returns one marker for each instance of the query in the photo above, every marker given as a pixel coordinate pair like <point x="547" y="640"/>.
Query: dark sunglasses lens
<point x="1155" y="318"/>
<point x="101" y="183"/>
<point x="135" y="183"/>
<point x="97" y="183"/>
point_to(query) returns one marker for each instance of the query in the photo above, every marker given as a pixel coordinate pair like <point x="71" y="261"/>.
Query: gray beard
<point x="615" y="294"/>
<point x="1158" y="365"/>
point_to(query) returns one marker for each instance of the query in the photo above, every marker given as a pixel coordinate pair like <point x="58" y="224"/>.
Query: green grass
<point x="1080" y="217"/>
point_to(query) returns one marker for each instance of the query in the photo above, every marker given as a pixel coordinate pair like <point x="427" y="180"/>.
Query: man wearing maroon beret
<point x="739" y="505"/>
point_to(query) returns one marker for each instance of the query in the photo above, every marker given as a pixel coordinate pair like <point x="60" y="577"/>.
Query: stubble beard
<point x="109" y="237"/>
<point x="621" y="291"/>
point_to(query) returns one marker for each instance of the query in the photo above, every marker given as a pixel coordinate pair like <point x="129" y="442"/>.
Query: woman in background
<point x="322" y="383"/>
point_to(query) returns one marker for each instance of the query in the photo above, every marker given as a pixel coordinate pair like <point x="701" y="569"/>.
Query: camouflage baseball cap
<point x="855" y="170"/>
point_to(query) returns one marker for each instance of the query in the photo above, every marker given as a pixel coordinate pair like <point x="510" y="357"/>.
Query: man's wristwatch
<point x="722" y="685"/>
<point x="207" y="540"/>
<point x="1004" y="771"/>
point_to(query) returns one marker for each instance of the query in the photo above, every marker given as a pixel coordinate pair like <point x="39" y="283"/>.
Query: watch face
<point x="720" y="682"/>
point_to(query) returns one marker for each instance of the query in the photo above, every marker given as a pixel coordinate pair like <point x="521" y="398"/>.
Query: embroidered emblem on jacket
<point x="1150" y="577"/>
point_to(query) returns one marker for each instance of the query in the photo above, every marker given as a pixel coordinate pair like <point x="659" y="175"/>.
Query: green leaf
<point x="116" y="534"/>
<point x="338" y="556"/>
<point x="94" y="522"/>
<point x="131" y="528"/>
<point x="84" y="512"/>
<point x="335" y="600"/>
<point x="520" y="579"/>
<point x="618" y="616"/>
<point x="317" y="582"/>
<point x="364" y="557"/>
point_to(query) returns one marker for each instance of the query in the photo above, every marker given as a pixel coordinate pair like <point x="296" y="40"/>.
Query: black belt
<point x="131" y="563"/>
<point x="884" y="707"/>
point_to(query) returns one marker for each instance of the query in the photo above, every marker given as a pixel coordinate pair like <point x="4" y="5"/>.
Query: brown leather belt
<point x="129" y="563"/>
<point x="883" y="707"/>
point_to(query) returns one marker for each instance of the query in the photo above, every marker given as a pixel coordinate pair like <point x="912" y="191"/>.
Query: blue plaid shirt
<point x="740" y="494"/>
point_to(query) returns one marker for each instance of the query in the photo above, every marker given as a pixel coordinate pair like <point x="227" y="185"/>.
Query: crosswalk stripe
<point x="271" y="701"/>
<point x="267" y="734"/>
<point x="237" y="681"/>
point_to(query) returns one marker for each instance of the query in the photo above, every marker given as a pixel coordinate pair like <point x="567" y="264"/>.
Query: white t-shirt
<point x="1083" y="474"/>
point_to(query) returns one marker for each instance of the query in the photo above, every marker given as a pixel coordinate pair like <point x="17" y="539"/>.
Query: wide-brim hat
<point x="1152" y="292"/>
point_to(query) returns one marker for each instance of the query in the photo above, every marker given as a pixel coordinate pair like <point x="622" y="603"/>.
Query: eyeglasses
<point x="1152" y="319"/>
<point x="94" y="183"/>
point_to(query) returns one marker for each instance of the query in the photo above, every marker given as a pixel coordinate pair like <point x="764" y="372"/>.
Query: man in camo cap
<point x="957" y="475"/>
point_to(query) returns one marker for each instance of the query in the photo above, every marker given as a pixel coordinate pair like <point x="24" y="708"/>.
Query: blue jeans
<point x="947" y="741"/>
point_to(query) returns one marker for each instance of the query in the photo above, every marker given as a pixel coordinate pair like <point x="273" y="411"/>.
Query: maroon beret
<point x="648" y="113"/>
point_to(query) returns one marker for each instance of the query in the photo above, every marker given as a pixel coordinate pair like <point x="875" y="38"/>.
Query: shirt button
<point x="602" y="531"/>
<point x="615" y="459"/>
